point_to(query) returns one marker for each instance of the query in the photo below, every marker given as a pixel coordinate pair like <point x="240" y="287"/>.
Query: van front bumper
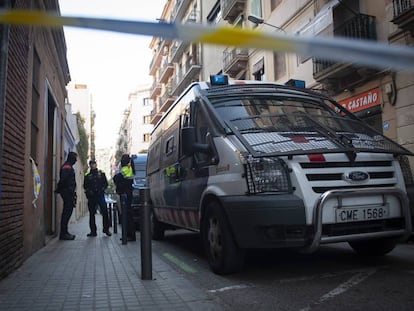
<point x="267" y="221"/>
<point x="276" y="221"/>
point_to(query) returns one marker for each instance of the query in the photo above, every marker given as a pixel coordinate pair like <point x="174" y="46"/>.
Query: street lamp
<point x="257" y="20"/>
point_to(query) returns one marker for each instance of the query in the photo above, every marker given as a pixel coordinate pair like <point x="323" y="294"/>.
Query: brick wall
<point x="13" y="164"/>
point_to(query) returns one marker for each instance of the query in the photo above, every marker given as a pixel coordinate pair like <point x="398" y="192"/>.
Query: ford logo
<point x="356" y="176"/>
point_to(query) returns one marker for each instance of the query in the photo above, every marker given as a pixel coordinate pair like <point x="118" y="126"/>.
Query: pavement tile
<point x="97" y="274"/>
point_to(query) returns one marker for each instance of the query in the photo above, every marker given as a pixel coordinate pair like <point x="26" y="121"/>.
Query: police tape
<point x="345" y="50"/>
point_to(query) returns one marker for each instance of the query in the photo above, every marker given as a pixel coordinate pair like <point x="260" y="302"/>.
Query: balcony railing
<point x="155" y="90"/>
<point x="359" y="27"/>
<point x="166" y="71"/>
<point x="235" y="60"/>
<point x="401" y="6"/>
<point x="182" y="80"/>
<point x="231" y="9"/>
<point x="404" y="14"/>
<point x="179" y="10"/>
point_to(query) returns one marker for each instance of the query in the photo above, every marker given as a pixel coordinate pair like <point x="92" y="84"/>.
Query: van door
<point x="170" y="172"/>
<point x="195" y="167"/>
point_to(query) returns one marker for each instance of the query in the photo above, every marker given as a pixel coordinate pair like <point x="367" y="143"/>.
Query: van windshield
<point x="269" y="124"/>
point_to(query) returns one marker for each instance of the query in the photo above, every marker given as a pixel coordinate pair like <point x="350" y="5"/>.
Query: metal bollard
<point x="115" y="213"/>
<point x="124" y="219"/>
<point x="146" y="252"/>
<point x="109" y="207"/>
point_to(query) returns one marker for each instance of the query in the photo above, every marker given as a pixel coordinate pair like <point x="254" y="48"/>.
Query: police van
<point x="250" y="165"/>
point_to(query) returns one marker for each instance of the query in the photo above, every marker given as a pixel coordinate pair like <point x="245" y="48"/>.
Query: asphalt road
<point x="333" y="278"/>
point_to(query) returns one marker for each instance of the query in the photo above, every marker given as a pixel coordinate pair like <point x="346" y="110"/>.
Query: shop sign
<point x="362" y="101"/>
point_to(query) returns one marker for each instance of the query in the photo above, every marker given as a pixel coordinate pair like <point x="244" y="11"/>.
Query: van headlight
<point x="267" y="175"/>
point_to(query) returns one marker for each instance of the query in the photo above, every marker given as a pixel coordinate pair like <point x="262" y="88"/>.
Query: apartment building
<point x="139" y="120"/>
<point x="381" y="97"/>
<point x="80" y="98"/>
<point x="175" y="64"/>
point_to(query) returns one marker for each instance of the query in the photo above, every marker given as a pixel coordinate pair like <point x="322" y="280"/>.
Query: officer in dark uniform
<point x="67" y="189"/>
<point x="95" y="184"/>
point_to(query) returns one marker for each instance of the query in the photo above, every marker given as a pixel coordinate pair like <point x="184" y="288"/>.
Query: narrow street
<point x="333" y="278"/>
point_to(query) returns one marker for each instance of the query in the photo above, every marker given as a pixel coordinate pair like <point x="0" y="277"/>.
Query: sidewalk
<point x="98" y="274"/>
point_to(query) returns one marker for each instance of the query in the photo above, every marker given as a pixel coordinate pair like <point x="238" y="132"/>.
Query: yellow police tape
<point x="362" y="52"/>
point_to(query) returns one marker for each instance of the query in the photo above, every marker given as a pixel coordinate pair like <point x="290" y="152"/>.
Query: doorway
<point x="50" y="166"/>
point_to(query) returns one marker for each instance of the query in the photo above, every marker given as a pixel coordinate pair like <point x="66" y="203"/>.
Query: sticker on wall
<point x="386" y="126"/>
<point x="36" y="182"/>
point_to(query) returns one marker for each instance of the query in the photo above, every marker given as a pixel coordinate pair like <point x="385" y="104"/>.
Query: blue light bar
<point x="296" y="83"/>
<point x="219" y="79"/>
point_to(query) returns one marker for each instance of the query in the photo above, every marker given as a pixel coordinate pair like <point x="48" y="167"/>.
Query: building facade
<point x="80" y="98"/>
<point x="175" y="64"/>
<point x="139" y="120"/>
<point x="34" y="72"/>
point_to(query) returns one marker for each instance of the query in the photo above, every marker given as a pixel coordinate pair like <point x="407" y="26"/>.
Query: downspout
<point x="4" y="45"/>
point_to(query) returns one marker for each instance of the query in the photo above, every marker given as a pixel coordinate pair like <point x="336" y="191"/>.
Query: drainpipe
<point x="4" y="48"/>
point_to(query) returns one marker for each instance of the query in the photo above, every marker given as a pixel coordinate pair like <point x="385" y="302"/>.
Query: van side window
<point x="202" y="128"/>
<point x="169" y="146"/>
<point x="186" y="117"/>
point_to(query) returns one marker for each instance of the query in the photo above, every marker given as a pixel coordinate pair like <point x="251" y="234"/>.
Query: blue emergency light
<point x="219" y="79"/>
<point x="296" y="83"/>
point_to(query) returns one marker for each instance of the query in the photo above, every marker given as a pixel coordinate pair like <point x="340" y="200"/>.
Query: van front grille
<point x="324" y="176"/>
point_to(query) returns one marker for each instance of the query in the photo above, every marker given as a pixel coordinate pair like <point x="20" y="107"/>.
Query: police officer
<point x="95" y="184"/>
<point x="67" y="189"/>
<point x="128" y="172"/>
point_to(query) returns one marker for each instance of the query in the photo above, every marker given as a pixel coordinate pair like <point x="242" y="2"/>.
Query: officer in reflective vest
<point x="128" y="172"/>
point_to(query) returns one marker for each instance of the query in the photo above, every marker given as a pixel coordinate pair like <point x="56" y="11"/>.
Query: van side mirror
<point x="188" y="142"/>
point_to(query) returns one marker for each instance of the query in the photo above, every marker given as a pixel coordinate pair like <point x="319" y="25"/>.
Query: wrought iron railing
<point x="401" y="6"/>
<point x="361" y="26"/>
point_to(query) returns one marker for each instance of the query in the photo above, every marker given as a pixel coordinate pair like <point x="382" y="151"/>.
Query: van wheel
<point x="222" y="252"/>
<point x="377" y="247"/>
<point x="157" y="228"/>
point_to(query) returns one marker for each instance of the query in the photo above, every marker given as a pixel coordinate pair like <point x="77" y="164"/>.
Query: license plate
<point x="362" y="213"/>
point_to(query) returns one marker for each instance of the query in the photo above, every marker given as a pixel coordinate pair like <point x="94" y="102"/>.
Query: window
<point x="147" y="119"/>
<point x="214" y="16"/>
<point x="258" y="70"/>
<point x="34" y="128"/>
<point x="256" y="8"/>
<point x="202" y="128"/>
<point x="279" y="63"/>
<point x="146" y="102"/>
<point x="147" y="137"/>
<point x="169" y="146"/>
<point x="274" y="4"/>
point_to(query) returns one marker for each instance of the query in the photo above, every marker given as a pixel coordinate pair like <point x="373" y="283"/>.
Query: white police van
<point x="251" y="165"/>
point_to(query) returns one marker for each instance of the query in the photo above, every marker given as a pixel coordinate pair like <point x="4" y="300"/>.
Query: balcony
<point x="156" y="60"/>
<point x="235" y="61"/>
<point x="155" y="90"/>
<point x="180" y="82"/>
<point x="231" y="9"/>
<point x="338" y="75"/>
<point x="177" y="50"/>
<point x="166" y="71"/>
<point x="167" y="98"/>
<point x="180" y="9"/>
<point x="404" y="14"/>
<point x="155" y="117"/>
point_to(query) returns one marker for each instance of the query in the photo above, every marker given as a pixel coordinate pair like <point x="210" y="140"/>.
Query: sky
<point x="111" y="64"/>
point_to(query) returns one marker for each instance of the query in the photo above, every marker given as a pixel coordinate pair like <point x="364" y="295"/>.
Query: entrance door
<point x="50" y="169"/>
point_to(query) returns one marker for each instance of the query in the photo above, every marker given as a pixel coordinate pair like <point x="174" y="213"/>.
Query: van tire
<point x="157" y="228"/>
<point x="223" y="254"/>
<point x="378" y="247"/>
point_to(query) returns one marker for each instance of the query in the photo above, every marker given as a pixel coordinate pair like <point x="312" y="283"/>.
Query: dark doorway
<point x="50" y="201"/>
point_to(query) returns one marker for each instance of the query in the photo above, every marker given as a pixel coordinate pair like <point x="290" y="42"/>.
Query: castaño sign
<point x="362" y="101"/>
